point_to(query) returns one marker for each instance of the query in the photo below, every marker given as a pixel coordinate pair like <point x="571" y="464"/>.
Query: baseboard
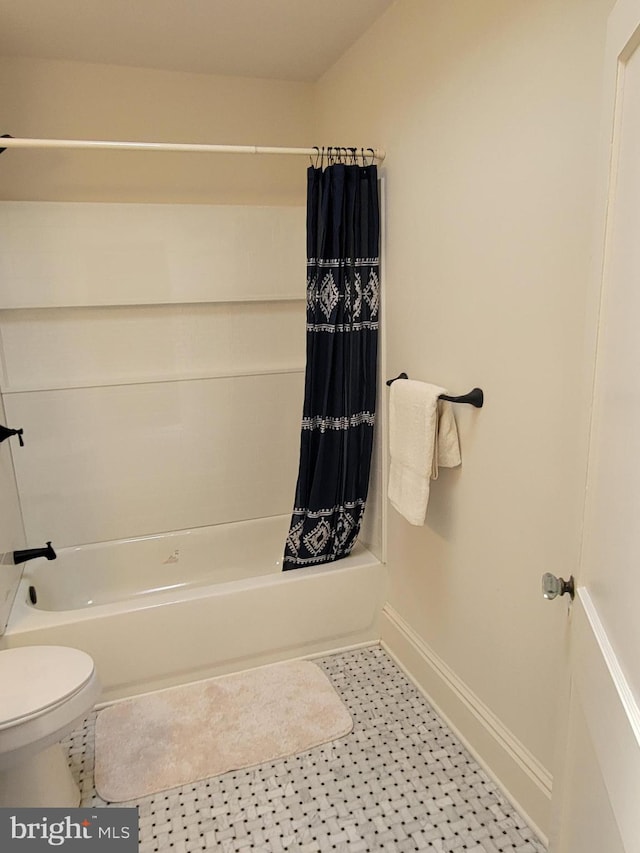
<point x="520" y="776"/>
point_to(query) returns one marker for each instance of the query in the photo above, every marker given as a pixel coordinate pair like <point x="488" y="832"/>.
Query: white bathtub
<point x="162" y="610"/>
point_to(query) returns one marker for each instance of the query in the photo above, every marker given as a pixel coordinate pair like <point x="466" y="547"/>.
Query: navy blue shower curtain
<point x="343" y="299"/>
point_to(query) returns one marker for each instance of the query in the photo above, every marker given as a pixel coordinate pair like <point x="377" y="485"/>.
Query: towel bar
<point x="475" y="397"/>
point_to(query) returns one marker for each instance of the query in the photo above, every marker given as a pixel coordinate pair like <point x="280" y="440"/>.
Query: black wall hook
<point x="475" y="397"/>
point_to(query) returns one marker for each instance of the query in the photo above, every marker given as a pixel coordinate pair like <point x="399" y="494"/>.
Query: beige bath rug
<point x="185" y="734"/>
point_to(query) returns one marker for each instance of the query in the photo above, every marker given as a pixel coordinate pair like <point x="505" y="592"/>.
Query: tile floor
<point x="399" y="781"/>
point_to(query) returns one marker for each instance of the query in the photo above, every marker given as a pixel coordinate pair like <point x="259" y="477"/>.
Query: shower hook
<point x="316" y="155"/>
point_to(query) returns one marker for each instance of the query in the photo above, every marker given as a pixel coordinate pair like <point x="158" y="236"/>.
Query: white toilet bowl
<point x="44" y="692"/>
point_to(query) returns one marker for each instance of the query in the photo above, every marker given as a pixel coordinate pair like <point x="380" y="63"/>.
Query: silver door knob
<point x="553" y="586"/>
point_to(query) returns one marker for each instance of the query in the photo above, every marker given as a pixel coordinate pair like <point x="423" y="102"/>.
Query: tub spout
<point x="32" y="553"/>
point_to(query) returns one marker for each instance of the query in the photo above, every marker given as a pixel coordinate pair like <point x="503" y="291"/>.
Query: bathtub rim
<point x="24" y="617"/>
<point x="189" y="536"/>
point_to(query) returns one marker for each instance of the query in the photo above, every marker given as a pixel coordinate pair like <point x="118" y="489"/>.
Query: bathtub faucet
<point x="32" y="553"/>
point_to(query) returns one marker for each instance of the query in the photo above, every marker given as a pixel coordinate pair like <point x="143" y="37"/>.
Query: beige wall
<point x="489" y="113"/>
<point x="89" y="101"/>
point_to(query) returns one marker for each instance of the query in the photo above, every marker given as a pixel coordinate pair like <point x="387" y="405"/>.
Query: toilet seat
<point x="35" y="679"/>
<point x="46" y="691"/>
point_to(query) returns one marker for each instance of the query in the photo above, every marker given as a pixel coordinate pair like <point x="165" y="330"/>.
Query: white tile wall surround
<point x="125" y="460"/>
<point x="64" y="254"/>
<point x="54" y="348"/>
<point x="154" y="355"/>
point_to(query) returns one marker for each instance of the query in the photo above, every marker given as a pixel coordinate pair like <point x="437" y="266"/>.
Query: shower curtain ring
<point x="316" y="155"/>
<point x="373" y="156"/>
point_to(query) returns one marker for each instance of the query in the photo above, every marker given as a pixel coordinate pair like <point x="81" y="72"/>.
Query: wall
<point x="76" y="100"/>
<point x="489" y="115"/>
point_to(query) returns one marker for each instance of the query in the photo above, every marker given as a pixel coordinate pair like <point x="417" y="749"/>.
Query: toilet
<point x="44" y="692"/>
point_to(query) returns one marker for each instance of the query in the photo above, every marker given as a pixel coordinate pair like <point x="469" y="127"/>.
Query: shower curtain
<point x="343" y="299"/>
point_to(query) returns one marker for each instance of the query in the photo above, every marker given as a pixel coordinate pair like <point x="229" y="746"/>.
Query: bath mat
<point x="185" y="734"/>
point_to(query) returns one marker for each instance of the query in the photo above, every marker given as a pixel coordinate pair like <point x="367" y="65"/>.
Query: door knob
<point x="553" y="586"/>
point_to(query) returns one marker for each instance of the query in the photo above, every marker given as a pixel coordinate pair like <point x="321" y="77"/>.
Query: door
<point x="597" y="795"/>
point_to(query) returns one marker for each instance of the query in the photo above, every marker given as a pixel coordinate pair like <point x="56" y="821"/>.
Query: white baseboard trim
<point x="520" y="776"/>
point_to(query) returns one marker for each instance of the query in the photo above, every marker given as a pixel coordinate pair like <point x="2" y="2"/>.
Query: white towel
<point x="422" y="436"/>
<point x="448" y="445"/>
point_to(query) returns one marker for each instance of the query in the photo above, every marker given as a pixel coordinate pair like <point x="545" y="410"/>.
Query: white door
<point x="597" y="798"/>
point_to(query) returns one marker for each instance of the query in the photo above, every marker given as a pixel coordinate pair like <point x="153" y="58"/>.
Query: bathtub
<point x="162" y="610"/>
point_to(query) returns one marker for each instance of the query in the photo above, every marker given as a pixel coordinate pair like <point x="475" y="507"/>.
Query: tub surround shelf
<point x="161" y="303"/>
<point x="86" y="347"/>
<point x="116" y="382"/>
<point x="75" y="254"/>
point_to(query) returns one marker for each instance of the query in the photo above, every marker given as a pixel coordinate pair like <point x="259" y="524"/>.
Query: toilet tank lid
<point x="35" y="678"/>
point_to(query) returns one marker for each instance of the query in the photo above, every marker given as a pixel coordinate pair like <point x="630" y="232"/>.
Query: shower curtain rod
<point x="11" y="142"/>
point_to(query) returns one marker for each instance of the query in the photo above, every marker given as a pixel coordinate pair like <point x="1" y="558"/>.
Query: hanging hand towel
<point x="422" y="435"/>
<point x="448" y="446"/>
